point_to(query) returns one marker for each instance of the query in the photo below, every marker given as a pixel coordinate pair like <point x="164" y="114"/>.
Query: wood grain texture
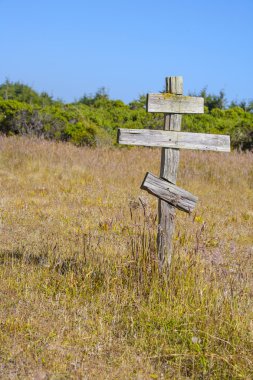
<point x="175" y="85"/>
<point x="178" y="104"/>
<point x="168" y="170"/>
<point x="170" y="193"/>
<point x="173" y="139"/>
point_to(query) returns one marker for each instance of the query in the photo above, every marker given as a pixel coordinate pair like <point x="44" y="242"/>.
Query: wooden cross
<point x="172" y="103"/>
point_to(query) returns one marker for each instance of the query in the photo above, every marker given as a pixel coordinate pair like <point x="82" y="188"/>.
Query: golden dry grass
<point x="81" y="296"/>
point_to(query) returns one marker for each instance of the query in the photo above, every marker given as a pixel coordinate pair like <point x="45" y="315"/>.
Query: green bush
<point x="235" y="122"/>
<point x="23" y="93"/>
<point x="95" y="119"/>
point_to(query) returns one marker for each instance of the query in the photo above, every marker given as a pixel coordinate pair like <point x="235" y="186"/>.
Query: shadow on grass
<point x="61" y="266"/>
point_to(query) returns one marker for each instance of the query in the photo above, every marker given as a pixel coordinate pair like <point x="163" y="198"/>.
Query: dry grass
<point x="81" y="297"/>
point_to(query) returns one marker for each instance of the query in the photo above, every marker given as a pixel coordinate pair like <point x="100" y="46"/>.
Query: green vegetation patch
<point x="94" y="120"/>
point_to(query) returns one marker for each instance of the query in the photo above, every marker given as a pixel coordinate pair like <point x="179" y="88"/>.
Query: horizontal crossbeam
<point x="174" y="195"/>
<point x="172" y="139"/>
<point x="169" y="103"/>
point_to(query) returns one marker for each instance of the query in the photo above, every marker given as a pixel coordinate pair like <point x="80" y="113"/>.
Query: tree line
<point x="94" y="119"/>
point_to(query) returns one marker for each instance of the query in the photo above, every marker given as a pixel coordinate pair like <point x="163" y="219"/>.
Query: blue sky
<point x="68" y="48"/>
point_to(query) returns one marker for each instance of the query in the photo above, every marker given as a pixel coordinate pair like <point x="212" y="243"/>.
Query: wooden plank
<point x="170" y="193"/>
<point x="175" y="84"/>
<point x="173" y="139"/>
<point x="178" y="104"/>
<point x="168" y="170"/>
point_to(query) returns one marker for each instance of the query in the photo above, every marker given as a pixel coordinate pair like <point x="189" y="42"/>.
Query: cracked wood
<point x="170" y="103"/>
<point x="170" y="193"/>
<point x="174" y="139"/>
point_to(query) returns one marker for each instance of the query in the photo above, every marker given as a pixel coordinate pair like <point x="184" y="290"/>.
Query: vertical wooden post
<point x="169" y="166"/>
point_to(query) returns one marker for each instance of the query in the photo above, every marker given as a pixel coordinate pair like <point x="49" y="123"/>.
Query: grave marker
<point x="172" y="104"/>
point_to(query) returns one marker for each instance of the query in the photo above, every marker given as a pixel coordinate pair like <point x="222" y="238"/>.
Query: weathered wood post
<point x="171" y="139"/>
<point x="168" y="170"/>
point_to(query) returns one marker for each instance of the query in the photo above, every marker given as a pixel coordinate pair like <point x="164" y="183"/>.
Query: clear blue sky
<point x="68" y="48"/>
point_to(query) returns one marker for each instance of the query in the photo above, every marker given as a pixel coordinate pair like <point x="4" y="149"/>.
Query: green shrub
<point x="96" y="118"/>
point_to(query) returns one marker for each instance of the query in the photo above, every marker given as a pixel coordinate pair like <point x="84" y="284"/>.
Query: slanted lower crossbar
<point x="170" y="193"/>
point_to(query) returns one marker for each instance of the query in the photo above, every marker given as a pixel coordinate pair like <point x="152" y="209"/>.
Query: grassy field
<point x="80" y="292"/>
